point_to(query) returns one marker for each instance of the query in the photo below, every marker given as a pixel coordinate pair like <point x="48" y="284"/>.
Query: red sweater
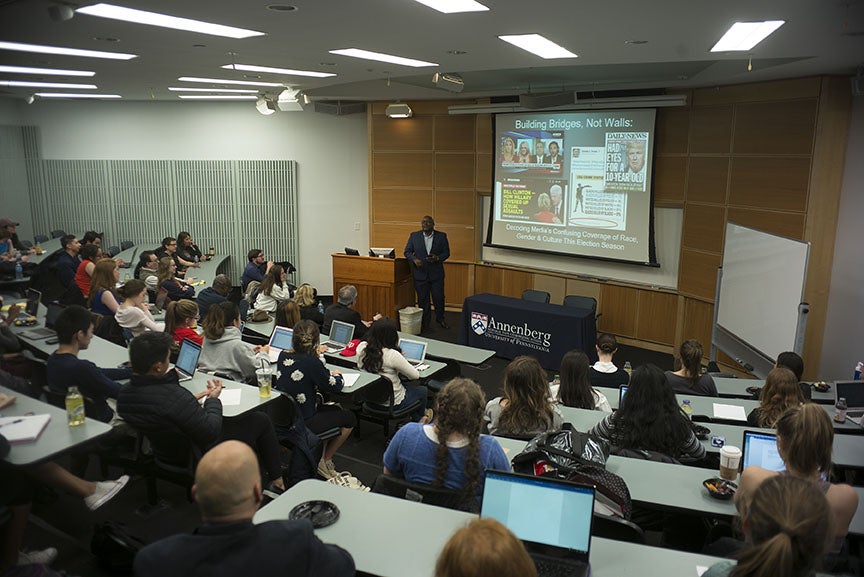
<point x="181" y="333"/>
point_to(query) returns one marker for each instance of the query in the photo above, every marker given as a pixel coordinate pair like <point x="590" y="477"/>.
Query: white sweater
<point x="269" y="302"/>
<point x="137" y="320"/>
<point x="393" y="363"/>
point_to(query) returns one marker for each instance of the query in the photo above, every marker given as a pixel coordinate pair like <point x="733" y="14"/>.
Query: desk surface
<point x="249" y="397"/>
<point x="701" y="405"/>
<point x="729" y="387"/>
<point x="377" y="530"/>
<point x="57" y="436"/>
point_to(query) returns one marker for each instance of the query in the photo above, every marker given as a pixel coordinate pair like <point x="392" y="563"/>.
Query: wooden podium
<point x="384" y="285"/>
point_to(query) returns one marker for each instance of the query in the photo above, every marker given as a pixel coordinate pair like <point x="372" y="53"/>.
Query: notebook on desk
<point x="760" y="449"/>
<point x="853" y="392"/>
<point x="340" y="335"/>
<point x="23" y="429"/>
<point x="552" y="518"/>
<point x="281" y="339"/>
<point x="187" y="360"/>
<point x="414" y="351"/>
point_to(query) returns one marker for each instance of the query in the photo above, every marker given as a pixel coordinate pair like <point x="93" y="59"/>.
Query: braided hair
<point x="460" y="412"/>
<point x="305" y="338"/>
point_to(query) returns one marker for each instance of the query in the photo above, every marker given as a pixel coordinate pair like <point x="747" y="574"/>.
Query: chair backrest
<point x="617" y="528"/>
<point x="26" y="244"/>
<point x="379" y="391"/>
<point x="580" y="302"/>
<point x="58" y="233"/>
<point x="438" y="496"/>
<point x="126" y="244"/>
<point x="535" y="296"/>
<point x="40" y="238"/>
<point x="161" y="297"/>
<point x="113" y="250"/>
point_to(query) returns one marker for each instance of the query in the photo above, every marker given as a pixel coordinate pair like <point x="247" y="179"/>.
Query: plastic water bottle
<point x="628" y="367"/>
<point x="858" y="369"/>
<point x="840" y="410"/>
<point x="19" y="270"/>
<point x="74" y="407"/>
<point x="320" y="307"/>
<point x="687" y="409"/>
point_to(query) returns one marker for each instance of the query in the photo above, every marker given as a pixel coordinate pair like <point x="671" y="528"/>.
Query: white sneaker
<point x="326" y="469"/>
<point x="345" y="479"/>
<point x="43" y="557"/>
<point x="105" y="491"/>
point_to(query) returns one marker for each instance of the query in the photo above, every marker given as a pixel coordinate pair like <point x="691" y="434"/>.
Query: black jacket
<point x="339" y="312"/>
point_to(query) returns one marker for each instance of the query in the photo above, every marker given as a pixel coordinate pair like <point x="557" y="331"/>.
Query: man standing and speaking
<point x="427" y="249"/>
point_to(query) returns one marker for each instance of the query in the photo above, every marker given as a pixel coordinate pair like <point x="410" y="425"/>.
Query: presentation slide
<point x="575" y="183"/>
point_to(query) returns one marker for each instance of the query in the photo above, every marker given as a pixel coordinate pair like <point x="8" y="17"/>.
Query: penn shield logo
<point x="479" y="323"/>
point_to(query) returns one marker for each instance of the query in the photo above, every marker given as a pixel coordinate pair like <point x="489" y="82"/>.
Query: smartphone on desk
<point x="52" y="341"/>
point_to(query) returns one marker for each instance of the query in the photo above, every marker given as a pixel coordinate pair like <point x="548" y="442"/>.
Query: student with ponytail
<point x="180" y="318"/>
<point x="688" y="378"/>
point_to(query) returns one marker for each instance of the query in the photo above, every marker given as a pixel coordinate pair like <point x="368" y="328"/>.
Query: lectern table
<point x="383" y="284"/>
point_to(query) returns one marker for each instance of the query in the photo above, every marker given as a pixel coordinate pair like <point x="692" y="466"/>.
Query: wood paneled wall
<point x="767" y="155"/>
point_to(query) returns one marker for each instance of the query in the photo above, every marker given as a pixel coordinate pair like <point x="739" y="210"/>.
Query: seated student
<point x="155" y="404"/>
<point x="273" y="290"/>
<point x="224" y="351"/>
<point x="188" y="254"/>
<point x="168" y="249"/>
<point x="90" y="255"/>
<point x="9" y="342"/>
<point x="305" y="298"/>
<point x="10" y="225"/>
<point x="450" y="452"/>
<point x="787" y="524"/>
<point x="175" y="288"/>
<point x="805" y="437"/>
<point x="92" y="237"/>
<point x="180" y="319"/>
<point x="380" y="353"/>
<point x="575" y="389"/>
<point x="74" y="328"/>
<point x="255" y="269"/>
<point x="483" y="548"/>
<point x="287" y="314"/>
<point x="795" y="363"/>
<point x="228" y="492"/>
<point x="689" y="378"/>
<point x="604" y="373"/>
<point x="147" y="270"/>
<point x="525" y="408"/>
<point x="133" y="313"/>
<point x="342" y="310"/>
<point x="781" y="392"/>
<point x="7" y="252"/>
<point x="301" y="374"/>
<point x="649" y="419"/>
<point x="214" y="294"/>
<point x="103" y="296"/>
<point x="68" y="261"/>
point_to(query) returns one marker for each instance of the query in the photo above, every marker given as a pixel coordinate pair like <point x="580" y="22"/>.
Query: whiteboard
<point x="761" y="287"/>
<point x="667" y="238"/>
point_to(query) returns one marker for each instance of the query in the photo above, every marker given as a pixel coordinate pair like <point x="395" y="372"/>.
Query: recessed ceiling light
<point x="232" y="90"/>
<point x="49" y="71"/>
<point x="454" y="6"/>
<point x="74" y="95"/>
<point x="224" y="81"/>
<point x="165" y="21"/>
<point x="381" y="57"/>
<point x="537" y="44"/>
<point x="746" y="35"/>
<point x="40" y="49"/>
<point x="218" y="96"/>
<point x="268" y="69"/>
<point x="281" y="8"/>
<point x="27" y="84"/>
<point x="635" y="42"/>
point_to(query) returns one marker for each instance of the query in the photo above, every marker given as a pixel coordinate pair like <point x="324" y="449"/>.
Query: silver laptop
<point x="53" y="311"/>
<point x="340" y="335"/>
<point x="414" y="351"/>
<point x="760" y="449"/>
<point x="131" y="261"/>
<point x="187" y="360"/>
<point x="552" y="518"/>
<point x="622" y="392"/>
<point x="853" y="392"/>
<point x="281" y="339"/>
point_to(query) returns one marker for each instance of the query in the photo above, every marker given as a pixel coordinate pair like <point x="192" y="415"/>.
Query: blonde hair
<point x="164" y="273"/>
<point x="543" y="201"/>
<point x="305" y="295"/>
<point x="103" y="278"/>
<point x="484" y="548"/>
<point x="806" y="435"/>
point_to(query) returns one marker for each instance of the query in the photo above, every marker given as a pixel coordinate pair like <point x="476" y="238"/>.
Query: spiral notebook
<point x="24" y="429"/>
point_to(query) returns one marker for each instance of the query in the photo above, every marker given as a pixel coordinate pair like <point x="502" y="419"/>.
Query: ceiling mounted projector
<point x="449" y="81"/>
<point x="266" y="106"/>
<point x="398" y="110"/>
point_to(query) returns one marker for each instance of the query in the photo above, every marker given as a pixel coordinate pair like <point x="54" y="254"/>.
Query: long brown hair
<point x="527" y="392"/>
<point x="806" y="436"/>
<point x="103" y="279"/>
<point x="272" y="278"/>
<point x="218" y="317"/>
<point x="789" y="522"/>
<point x="575" y="389"/>
<point x="690" y="355"/>
<point x="484" y="548"/>
<point x="287" y="314"/>
<point x="177" y="312"/>
<point x="460" y="411"/>
<point x="781" y="392"/>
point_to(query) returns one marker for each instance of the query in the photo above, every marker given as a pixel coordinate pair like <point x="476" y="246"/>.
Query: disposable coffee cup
<point x="265" y="380"/>
<point x="730" y="459"/>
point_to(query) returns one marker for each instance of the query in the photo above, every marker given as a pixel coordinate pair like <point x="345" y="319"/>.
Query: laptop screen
<point x="341" y="332"/>
<point x="852" y="391"/>
<point x="413" y="350"/>
<point x="540" y="510"/>
<point x="187" y="359"/>
<point x="760" y="449"/>
<point x="622" y="391"/>
<point x="51" y="313"/>
<point x="282" y="338"/>
<point x="33" y="298"/>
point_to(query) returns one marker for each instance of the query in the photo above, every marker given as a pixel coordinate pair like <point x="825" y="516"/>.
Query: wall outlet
<point x="356" y="226"/>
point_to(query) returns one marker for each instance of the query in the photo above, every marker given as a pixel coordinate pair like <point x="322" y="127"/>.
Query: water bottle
<point x="687" y="409"/>
<point x="858" y="369"/>
<point x="74" y="407"/>
<point x="320" y="307"/>
<point x="628" y="367"/>
<point x="840" y="410"/>
<point x="19" y="270"/>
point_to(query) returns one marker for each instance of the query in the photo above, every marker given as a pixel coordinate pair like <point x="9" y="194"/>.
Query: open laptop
<point x="187" y="360"/>
<point x="622" y="392"/>
<point x="32" y="306"/>
<point x="340" y="335"/>
<point x="38" y="333"/>
<point x="131" y="261"/>
<point x="281" y="339"/>
<point x="414" y="351"/>
<point x="552" y="518"/>
<point x="853" y="392"/>
<point x="760" y="449"/>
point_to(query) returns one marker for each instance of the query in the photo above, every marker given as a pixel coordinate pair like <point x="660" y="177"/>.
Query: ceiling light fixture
<point x="271" y="70"/>
<point x="398" y="110"/>
<point x="217" y="96"/>
<point x="746" y="35"/>
<point x="46" y="71"/>
<point x="75" y="95"/>
<point x="40" y="49"/>
<point x="539" y="45"/>
<point x="381" y="57"/>
<point x="223" y="81"/>
<point x="28" y="84"/>
<point x="266" y="106"/>
<point x="454" y="6"/>
<point x="231" y="90"/>
<point x="113" y="12"/>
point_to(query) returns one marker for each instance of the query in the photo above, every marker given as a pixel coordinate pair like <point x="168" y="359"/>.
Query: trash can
<point x="411" y="319"/>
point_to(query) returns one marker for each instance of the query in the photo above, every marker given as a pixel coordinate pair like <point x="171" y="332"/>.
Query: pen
<point x="12" y="422"/>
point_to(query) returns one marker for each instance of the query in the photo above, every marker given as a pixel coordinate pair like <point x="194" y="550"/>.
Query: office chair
<point x="126" y="244"/>
<point x="58" y="233"/>
<point x="584" y="303"/>
<point x="377" y="404"/>
<point x="27" y="244"/>
<point x="419" y="493"/>
<point x="40" y="238"/>
<point x="113" y="250"/>
<point x="617" y="528"/>
<point x="535" y="296"/>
